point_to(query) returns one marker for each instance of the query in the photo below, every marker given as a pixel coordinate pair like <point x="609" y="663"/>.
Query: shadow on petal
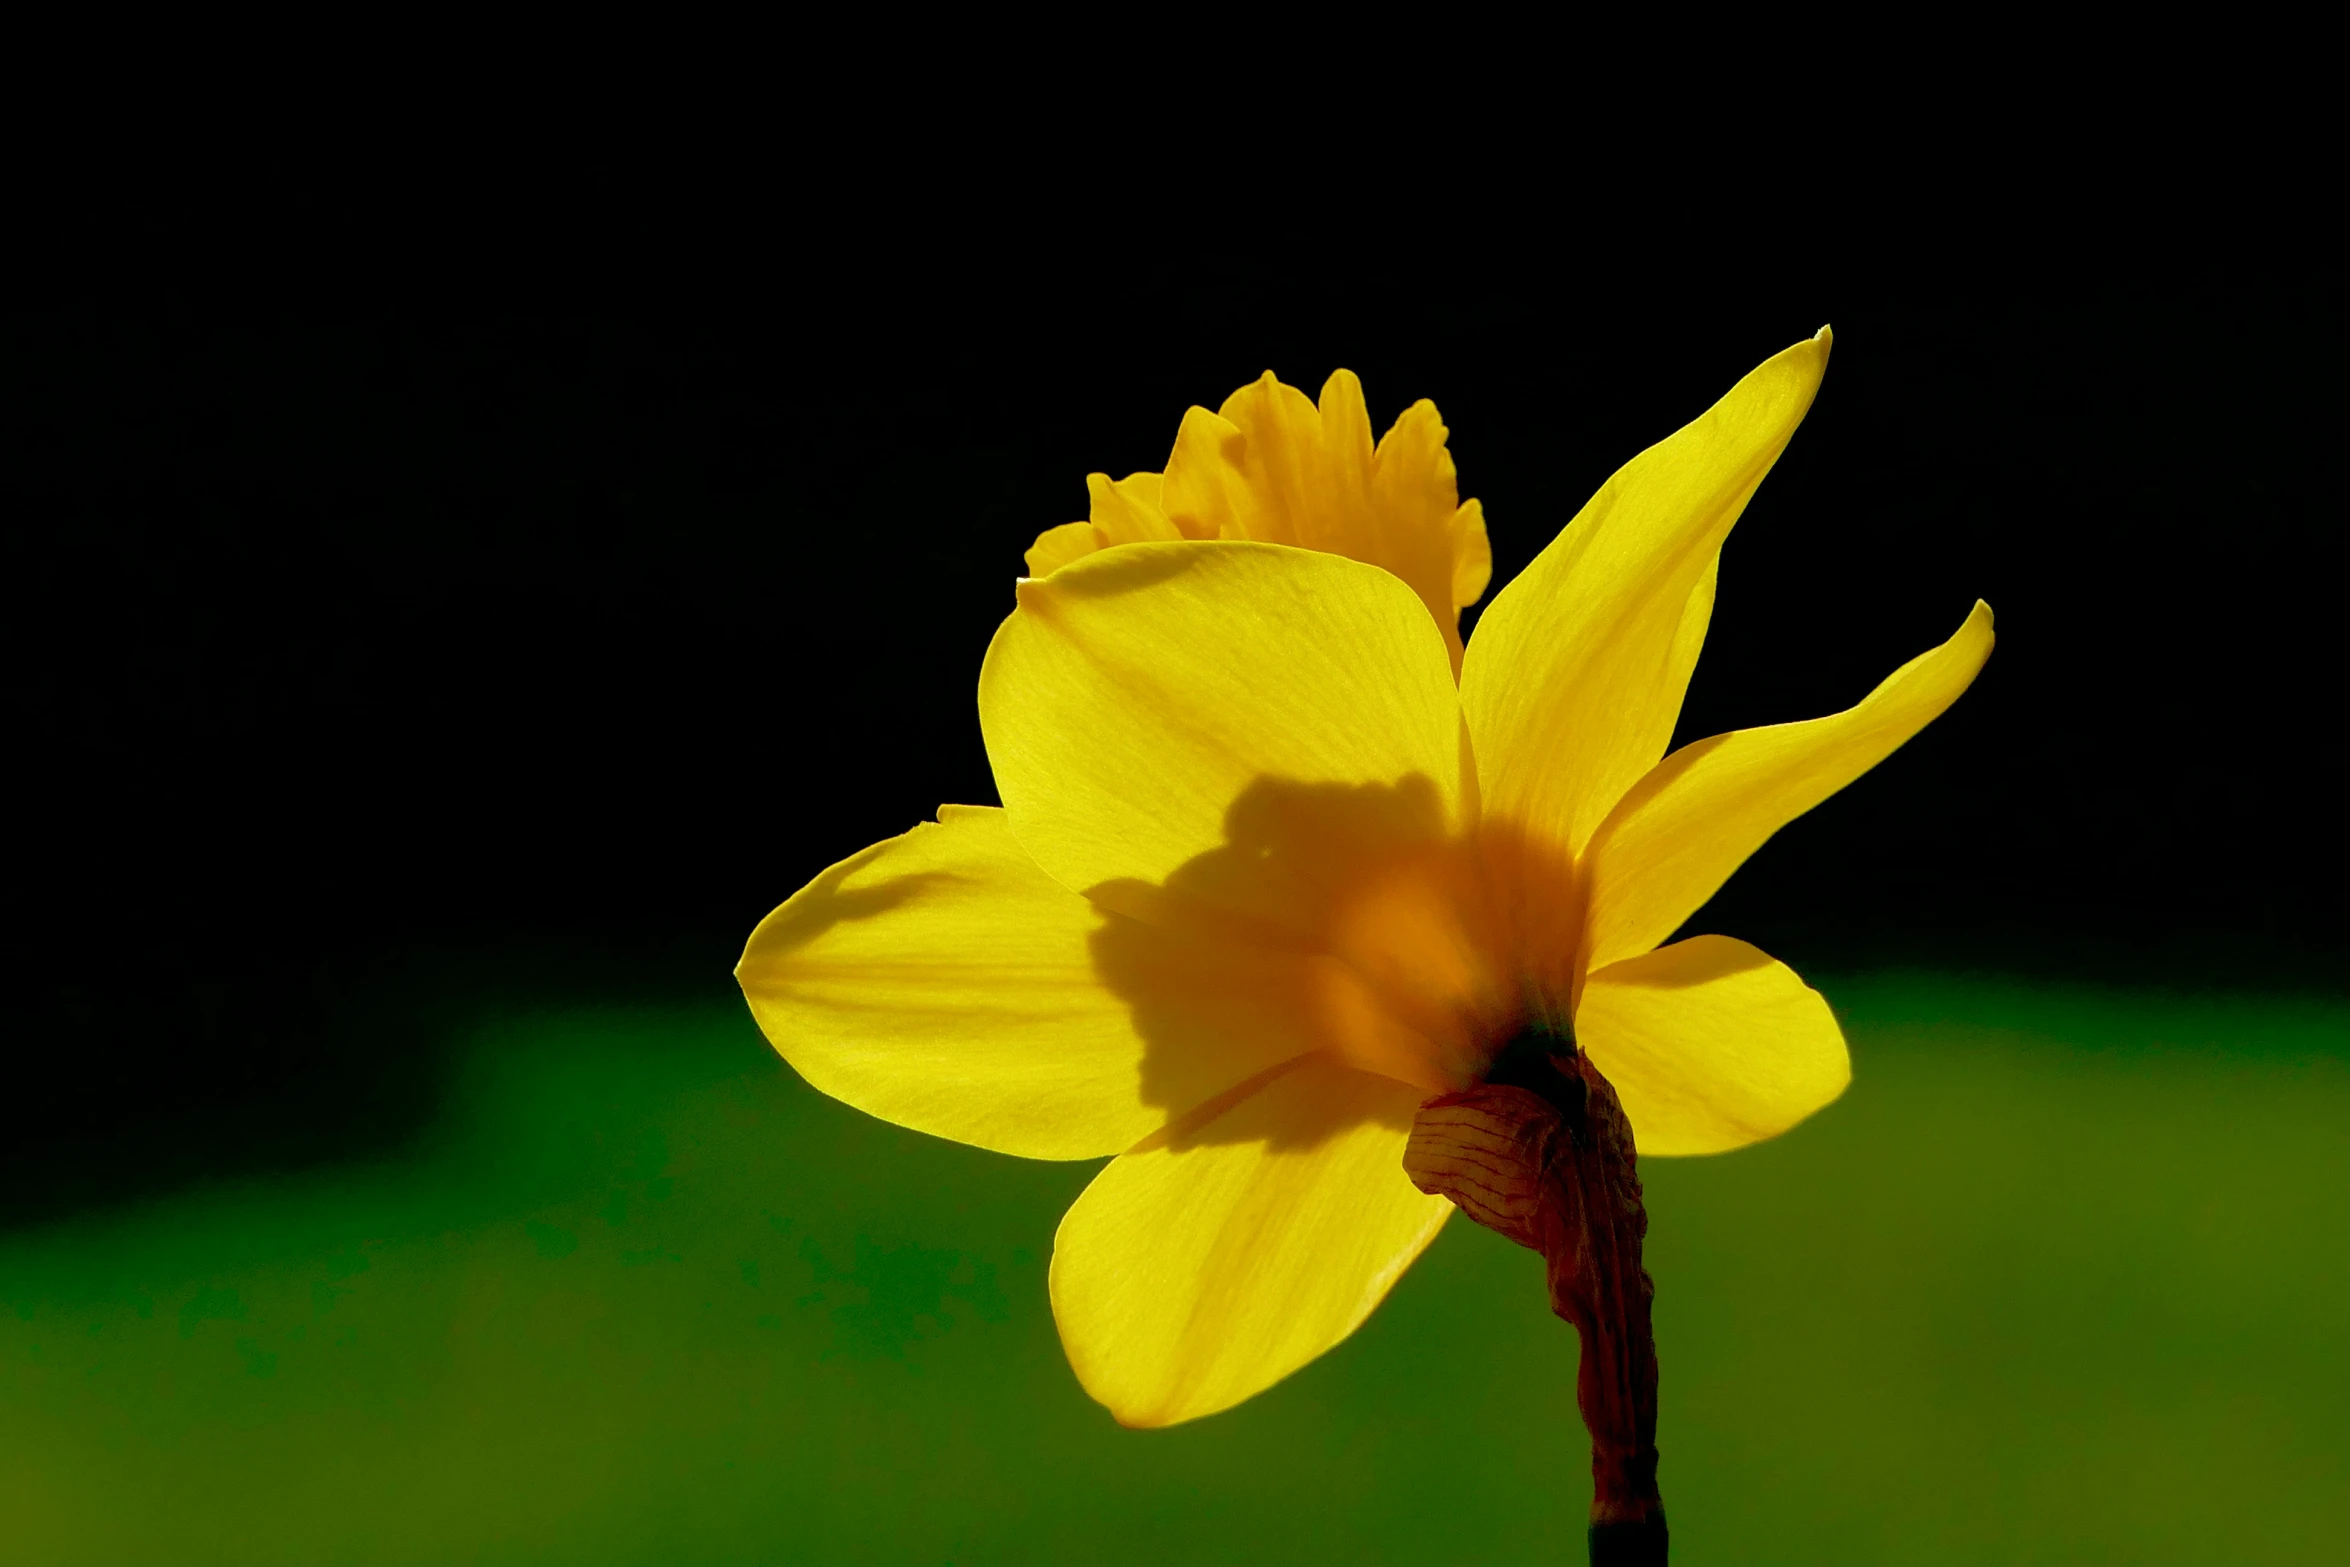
<point x="1344" y="922"/>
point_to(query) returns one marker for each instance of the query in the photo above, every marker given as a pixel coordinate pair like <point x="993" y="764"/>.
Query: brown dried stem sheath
<point x="1541" y="1153"/>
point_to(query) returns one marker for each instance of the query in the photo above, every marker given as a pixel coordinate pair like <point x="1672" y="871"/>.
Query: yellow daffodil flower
<point x="1273" y="467"/>
<point x="1266" y="877"/>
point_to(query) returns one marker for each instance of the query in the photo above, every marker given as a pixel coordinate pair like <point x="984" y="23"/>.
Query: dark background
<point x="368" y="649"/>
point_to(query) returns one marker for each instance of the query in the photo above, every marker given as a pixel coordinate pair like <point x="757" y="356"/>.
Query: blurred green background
<point x="2061" y="1279"/>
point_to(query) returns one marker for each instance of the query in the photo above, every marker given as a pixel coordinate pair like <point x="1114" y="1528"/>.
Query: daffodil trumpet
<point x="1284" y="867"/>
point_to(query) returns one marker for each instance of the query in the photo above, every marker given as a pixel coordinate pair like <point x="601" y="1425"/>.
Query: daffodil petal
<point x="1056" y="547"/>
<point x="1676" y="837"/>
<point x="1578" y="667"/>
<point x="1711" y="1044"/>
<point x="1137" y="695"/>
<point x="1127" y="511"/>
<point x="941" y="981"/>
<point x="1472" y="555"/>
<point x="1196" y="1273"/>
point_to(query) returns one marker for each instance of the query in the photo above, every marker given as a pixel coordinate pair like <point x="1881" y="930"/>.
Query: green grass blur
<point x="2063" y="1278"/>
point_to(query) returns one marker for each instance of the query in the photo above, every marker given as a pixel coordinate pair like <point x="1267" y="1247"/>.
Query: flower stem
<point x="1540" y="1152"/>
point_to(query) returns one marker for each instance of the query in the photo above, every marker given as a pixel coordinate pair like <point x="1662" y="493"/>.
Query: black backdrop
<point x="371" y="651"/>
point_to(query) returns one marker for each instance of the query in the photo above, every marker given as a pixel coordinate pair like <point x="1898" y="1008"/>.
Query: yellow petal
<point x="1578" y="668"/>
<point x="1276" y="468"/>
<point x="1056" y="547"/>
<point x="1472" y="555"/>
<point x="1197" y="1272"/>
<point x="1127" y="511"/>
<point x="1137" y="695"/>
<point x="941" y="981"/>
<point x="1679" y="833"/>
<point x="1711" y="1044"/>
<point x="1418" y="528"/>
